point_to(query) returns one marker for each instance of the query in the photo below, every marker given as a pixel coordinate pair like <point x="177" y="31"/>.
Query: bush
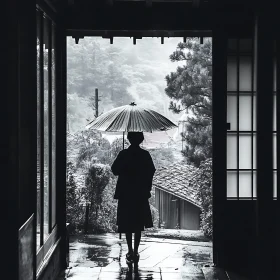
<point x="97" y="178"/>
<point x="74" y="208"/>
<point x="203" y="181"/>
<point x="107" y="215"/>
<point x="155" y="216"/>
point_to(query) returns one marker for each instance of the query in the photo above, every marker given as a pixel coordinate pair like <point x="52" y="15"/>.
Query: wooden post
<point x="219" y="140"/>
<point x="61" y="126"/>
<point x="266" y="225"/>
<point x="96" y="102"/>
<point x="179" y="212"/>
<point x="86" y="219"/>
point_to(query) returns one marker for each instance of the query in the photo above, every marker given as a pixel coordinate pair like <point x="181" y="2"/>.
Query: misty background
<point x="122" y="72"/>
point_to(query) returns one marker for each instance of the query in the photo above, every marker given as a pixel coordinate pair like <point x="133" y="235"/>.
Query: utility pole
<point x="96" y="102"/>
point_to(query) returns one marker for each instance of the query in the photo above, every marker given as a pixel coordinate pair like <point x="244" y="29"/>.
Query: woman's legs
<point x="137" y="238"/>
<point x="128" y="236"/>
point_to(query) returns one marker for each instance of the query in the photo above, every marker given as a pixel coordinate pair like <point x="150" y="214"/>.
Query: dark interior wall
<point x="27" y="125"/>
<point x="18" y="121"/>
<point x="239" y="241"/>
<point x="17" y="177"/>
<point x="243" y="228"/>
<point x="27" y="112"/>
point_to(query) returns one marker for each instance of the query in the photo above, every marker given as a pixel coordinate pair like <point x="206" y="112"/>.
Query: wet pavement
<point x="98" y="257"/>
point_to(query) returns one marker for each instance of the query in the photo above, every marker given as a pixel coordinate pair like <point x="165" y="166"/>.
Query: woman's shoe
<point x="129" y="258"/>
<point x="136" y="258"/>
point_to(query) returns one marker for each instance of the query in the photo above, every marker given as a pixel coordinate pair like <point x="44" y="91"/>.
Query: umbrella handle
<point x="123" y="141"/>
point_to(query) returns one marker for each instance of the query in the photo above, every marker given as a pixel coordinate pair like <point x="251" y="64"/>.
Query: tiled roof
<point x="175" y="179"/>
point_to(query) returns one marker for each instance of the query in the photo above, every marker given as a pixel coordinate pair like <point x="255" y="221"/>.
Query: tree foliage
<point x="96" y="180"/>
<point x="202" y="180"/>
<point x="190" y="88"/>
<point x="87" y="147"/>
<point x="117" y="146"/>
<point x="74" y="208"/>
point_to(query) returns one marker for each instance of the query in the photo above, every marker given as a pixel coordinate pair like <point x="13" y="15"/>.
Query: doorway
<point x="102" y="76"/>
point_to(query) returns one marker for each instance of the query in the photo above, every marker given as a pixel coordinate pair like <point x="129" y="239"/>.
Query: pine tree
<point x="190" y="88"/>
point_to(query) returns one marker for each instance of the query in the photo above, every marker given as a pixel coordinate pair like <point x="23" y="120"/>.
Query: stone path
<point x="99" y="257"/>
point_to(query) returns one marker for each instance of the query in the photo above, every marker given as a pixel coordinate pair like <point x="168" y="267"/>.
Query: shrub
<point x="203" y="181"/>
<point x="74" y="208"/>
<point x="107" y="217"/>
<point x="155" y="216"/>
<point x="96" y="180"/>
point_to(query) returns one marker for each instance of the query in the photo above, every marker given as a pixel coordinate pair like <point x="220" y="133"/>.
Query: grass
<point x="181" y="234"/>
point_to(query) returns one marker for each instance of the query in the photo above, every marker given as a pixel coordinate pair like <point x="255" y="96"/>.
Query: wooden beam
<point x="134" y="39"/>
<point x="138" y="17"/>
<point x="110" y="3"/>
<point x="139" y="33"/>
<point x="149" y="3"/>
<point x="77" y="38"/>
<point x="196" y="3"/>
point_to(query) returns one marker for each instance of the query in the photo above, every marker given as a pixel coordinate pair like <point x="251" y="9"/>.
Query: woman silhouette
<point x="135" y="169"/>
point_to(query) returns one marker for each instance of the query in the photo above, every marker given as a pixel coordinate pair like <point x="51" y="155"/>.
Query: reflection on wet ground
<point x="99" y="257"/>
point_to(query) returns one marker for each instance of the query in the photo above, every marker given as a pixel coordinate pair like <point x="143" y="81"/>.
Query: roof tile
<point x="177" y="180"/>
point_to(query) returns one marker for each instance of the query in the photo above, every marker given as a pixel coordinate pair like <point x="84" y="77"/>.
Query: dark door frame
<point x="219" y="41"/>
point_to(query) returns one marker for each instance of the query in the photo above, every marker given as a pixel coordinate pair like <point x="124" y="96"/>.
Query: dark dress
<point x="135" y="169"/>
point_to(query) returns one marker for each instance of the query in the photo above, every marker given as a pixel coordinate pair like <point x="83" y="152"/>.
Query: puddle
<point x="137" y="275"/>
<point x="93" y="250"/>
<point x="99" y="255"/>
<point x="196" y="257"/>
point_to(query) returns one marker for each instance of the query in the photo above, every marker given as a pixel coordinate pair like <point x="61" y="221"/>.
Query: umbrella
<point x="131" y="118"/>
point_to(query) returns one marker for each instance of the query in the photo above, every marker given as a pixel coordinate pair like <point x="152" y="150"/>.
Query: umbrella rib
<point x="165" y="122"/>
<point x="116" y="124"/>
<point x="151" y="119"/>
<point x="149" y="122"/>
<point x="111" y="115"/>
<point x="131" y="118"/>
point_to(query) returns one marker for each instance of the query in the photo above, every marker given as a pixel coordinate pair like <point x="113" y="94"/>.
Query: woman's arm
<point x="150" y="172"/>
<point x="117" y="165"/>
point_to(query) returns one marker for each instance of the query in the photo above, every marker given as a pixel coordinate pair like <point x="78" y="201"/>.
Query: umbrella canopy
<point x="131" y="118"/>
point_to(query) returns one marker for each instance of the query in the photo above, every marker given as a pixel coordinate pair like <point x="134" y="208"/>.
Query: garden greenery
<point x="202" y="180"/>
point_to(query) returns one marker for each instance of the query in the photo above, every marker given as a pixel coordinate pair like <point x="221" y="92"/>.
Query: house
<point x="245" y="67"/>
<point x="176" y="199"/>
